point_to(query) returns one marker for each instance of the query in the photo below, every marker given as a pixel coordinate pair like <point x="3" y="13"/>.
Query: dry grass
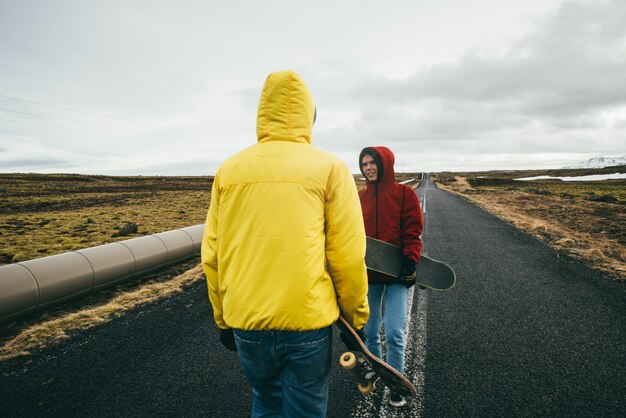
<point x="587" y="230"/>
<point x="42" y="215"/>
<point x="52" y="331"/>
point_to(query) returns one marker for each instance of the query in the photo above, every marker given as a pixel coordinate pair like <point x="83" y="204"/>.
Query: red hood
<point x="384" y="159"/>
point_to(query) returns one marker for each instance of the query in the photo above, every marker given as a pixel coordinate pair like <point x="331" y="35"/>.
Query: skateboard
<point x="369" y="369"/>
<point x="387" y="258"/>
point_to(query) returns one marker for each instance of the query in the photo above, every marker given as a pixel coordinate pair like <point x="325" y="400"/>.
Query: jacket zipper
<point x="376" y="196"/>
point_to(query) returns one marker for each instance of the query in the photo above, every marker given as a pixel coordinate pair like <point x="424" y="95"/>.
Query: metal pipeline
<point x="41" y="283"/>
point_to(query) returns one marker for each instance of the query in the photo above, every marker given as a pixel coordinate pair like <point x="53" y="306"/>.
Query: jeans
<point x="394" y="318"/>
<point x="288" y="371"/>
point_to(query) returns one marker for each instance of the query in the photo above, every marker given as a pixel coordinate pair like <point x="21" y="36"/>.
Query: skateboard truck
<point x="367" y="368"/>
<point x="363" y="371"/>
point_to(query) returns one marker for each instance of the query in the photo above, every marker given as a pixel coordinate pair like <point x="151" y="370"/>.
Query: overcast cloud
<point x="171" y="88"/>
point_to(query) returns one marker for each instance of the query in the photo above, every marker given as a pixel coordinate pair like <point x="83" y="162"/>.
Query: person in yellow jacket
<point x="283" y="252"/>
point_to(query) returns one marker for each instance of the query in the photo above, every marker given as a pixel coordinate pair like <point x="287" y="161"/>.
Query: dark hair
<point x="379" y="164"/>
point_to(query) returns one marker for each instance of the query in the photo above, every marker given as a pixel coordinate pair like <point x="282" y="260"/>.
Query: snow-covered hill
<point x="599" y="162"/>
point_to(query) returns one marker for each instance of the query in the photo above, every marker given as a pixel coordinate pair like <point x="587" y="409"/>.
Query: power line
<point x="60" y="119"/>
<point x="79" y="122"/>
<point x="99" y="115"/>
<point x="53" y="126"/>
<point x="81" y="130"/>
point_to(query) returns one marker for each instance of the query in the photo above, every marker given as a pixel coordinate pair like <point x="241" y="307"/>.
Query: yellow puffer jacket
<point x="284" y="242"/>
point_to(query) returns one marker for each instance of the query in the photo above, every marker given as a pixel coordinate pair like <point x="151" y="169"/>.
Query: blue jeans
<point x="288" y="371"/>
<point x="394" y="318"/>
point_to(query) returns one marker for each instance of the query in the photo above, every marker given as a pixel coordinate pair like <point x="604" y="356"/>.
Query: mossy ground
<point x="42" y="215"/>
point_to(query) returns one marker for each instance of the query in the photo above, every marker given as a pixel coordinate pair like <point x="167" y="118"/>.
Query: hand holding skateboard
<point x="389" y="259"/>
<point x="368" y="368"/>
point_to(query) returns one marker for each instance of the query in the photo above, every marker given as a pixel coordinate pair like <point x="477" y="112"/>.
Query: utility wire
<point x="90" y="131"/>
<point x="60" y="119"/>
<point x="99" y="115"/>
<point x="82" y="123"/>
<point x="58" y="127"/>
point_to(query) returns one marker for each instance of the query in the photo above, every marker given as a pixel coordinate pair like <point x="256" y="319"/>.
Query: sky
<point x="148" y="87"/>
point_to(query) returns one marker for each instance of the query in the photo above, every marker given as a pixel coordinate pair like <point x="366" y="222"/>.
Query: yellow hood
<point x="286" y="109"/>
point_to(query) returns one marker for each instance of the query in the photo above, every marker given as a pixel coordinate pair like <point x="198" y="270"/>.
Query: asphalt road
<point x="525" y="332"/>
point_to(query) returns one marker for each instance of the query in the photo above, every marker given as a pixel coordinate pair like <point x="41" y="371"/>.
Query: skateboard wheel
<point x="367" y="389"/>
<point x="347" y="360"/>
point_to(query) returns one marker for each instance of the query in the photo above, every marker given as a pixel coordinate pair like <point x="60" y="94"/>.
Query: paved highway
<point x="525" y="332"/>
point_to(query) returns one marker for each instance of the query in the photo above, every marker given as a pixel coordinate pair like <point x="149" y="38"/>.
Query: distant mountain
<point x="600" y="162"/>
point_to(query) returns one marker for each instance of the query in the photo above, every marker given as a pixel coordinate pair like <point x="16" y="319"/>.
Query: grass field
<point x="43" y="214"/>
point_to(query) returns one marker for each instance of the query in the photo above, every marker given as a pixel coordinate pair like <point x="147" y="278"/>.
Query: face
<point x="369" y="167"/>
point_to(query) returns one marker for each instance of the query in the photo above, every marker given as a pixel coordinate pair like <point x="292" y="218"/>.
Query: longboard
<point x="369" y="369"/>
<point x="388" y="259"/>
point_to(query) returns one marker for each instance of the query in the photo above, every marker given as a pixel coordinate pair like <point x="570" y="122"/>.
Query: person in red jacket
<point x="392" y="213"/>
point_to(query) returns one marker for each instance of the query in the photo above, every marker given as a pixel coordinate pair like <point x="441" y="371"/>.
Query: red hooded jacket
<point x="391" y="211"/>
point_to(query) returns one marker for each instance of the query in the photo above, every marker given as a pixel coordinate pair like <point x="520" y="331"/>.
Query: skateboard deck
<point x="388" y="259"/>
<point x="370" y="369"/>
